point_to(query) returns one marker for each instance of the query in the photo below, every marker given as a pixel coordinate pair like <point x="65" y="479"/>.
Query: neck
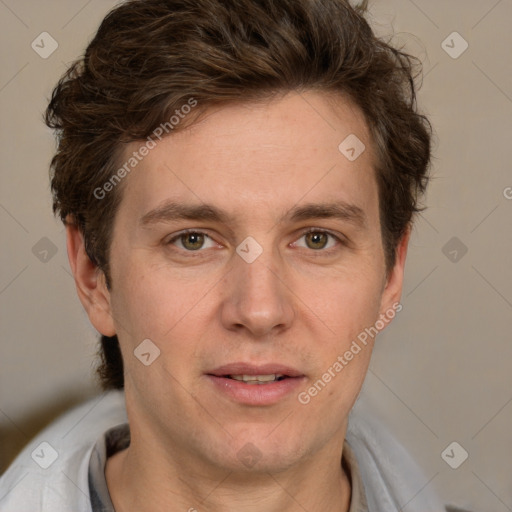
<point x="141" y="482"/>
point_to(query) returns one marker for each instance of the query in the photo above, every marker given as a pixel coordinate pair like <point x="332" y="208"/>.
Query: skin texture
<point x="296" y="304"/>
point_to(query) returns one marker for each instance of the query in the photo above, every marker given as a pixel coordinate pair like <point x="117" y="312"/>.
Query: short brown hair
<point x="150" y="57"/>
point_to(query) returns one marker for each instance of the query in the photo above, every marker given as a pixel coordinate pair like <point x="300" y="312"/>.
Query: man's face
<point x="216" y="308"/>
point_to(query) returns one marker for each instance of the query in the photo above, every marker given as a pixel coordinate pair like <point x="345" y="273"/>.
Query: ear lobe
<point x="90" y="283"/>
<point x="394" y="282"/>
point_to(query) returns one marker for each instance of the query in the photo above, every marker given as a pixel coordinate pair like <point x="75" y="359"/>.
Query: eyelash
<point x="319" y="252"/>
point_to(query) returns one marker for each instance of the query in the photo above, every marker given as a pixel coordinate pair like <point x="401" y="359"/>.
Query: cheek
<point x="158" y="302"/>
<point x="349" y="309"/>
<point x="349" y="301"/>
<point x="142" y="305"/>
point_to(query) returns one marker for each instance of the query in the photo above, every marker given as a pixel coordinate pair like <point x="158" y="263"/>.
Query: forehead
<point x="258" y="157"/>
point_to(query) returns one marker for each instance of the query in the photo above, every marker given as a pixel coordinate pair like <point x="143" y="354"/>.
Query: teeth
<point x="256" y="379"/>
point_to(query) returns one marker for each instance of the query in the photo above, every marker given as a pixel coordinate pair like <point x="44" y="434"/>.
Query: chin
<point x="257" y="451"/>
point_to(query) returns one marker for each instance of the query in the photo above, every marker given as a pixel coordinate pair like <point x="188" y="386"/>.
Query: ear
<point x="395" y="278"/>
<point x="90" y="283"/>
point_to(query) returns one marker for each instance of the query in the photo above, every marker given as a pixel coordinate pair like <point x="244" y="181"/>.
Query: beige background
<point x="440" y="373"/>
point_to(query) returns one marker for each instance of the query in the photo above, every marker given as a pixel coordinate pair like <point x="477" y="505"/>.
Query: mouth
<point x="257" y="379"/>
<point x="255" y="385"/>
<point x="255" y="374"/>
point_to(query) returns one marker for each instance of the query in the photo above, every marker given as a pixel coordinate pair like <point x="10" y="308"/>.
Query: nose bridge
<point x="256" y="297"/>
<point x="256" y="271"/>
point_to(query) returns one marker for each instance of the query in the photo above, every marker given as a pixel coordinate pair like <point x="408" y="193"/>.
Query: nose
<point x="256" y="297"/>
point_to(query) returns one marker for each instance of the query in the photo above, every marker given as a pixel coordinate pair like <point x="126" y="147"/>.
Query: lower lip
<point x="256" y="394"/>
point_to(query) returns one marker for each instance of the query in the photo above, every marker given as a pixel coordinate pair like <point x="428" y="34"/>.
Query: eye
<point x="191" y="240"/>
<point x="318" y="240"/>
<point x="315" y="239"/>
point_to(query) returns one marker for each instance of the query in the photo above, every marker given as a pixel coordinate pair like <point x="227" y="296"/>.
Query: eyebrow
<point x="172" y="211"/>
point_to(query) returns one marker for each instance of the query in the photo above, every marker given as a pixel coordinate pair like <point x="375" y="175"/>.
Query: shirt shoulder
<point x="390" y="477"/>
<point x="51" y="472"/>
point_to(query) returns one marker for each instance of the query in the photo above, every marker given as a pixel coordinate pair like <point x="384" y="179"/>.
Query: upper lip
<point x="252" y="369"/>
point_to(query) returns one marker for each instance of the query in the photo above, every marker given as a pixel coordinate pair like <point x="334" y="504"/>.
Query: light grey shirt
<point x="63" y="468"/>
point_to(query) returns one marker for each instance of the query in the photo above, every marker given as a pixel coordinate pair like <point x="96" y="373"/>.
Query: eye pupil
<point x="196" y="239"/>
<point x="319" y="240"/>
